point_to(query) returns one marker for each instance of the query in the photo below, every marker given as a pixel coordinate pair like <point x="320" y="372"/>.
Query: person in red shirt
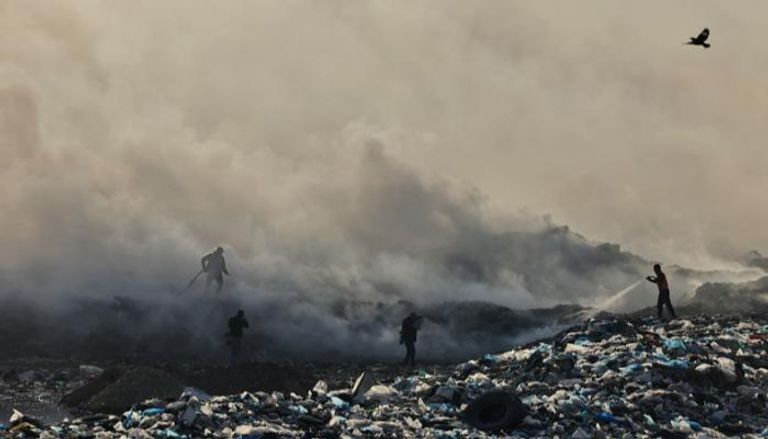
<point x="661" y="281"/>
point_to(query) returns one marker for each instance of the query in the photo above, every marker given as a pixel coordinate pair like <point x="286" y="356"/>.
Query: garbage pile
<point x="702" y="377"/>
<point x="40" y="386"/>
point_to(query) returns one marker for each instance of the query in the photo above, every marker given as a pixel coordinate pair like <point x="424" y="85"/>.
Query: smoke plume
<point x="346" y="152"/>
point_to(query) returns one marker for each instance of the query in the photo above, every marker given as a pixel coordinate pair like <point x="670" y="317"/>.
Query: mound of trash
<point x="701" y="377"/>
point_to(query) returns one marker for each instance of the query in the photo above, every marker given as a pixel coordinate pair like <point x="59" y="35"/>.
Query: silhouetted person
<point x="661" y="281"/>
<point x="215" y="267"/>
<point x="701" y="39"/>
<point x="234" y="336"/>
<point x="408" y="331"/>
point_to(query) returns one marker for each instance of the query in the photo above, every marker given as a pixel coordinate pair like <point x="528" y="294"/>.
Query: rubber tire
<point x="494" y="411"/>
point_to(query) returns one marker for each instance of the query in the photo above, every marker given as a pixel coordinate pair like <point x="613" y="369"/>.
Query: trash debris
<point x="380" y="393"/>
<point x="610" y="377"/>
<point x="362" y="385"/>
<point x="90" y="371"/>
<point x="190" y="392"/>
<point x="27" y="376"/>
<point x="495" y="411"/>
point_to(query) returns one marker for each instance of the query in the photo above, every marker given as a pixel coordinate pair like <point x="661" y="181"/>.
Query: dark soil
<point x="121" y="387"/>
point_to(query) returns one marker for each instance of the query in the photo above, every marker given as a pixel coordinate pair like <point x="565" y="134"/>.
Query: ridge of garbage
<point x="609" y="377"/>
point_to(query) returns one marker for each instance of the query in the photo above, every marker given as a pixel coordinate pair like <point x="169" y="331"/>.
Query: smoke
<point x="343" y="151"/>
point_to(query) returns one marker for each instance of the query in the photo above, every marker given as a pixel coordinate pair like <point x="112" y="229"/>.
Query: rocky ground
<point x="697" y="377"/>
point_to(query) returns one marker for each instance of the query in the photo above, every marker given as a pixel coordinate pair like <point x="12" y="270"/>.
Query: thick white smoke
<point x="121" y="169"/>
<point x="340" y="151"/>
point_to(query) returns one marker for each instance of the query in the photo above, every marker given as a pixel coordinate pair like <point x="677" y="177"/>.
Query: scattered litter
<point x="90" y="372"/>
<point x="702" y="377"/>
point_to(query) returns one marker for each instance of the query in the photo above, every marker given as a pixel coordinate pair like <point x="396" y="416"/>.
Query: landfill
<point x="608" y="377"/>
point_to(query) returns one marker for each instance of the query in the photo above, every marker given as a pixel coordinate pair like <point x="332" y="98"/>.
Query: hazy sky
<point x="137" y="133"/>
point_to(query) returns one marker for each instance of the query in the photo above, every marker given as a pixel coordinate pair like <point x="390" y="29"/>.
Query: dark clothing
<point x="661" y="282"/>
<point x="215" y="267"/>
<point x="665" y="300"/>
<point x="409" y="329"/>
<point x="408" y="335"/>
<point x="236" y="325"/>
<point x="234" y="337"/>
<point x="410" y="353"/>
<point x="214" y="263"/>
<point x="235" y="346"/>
<point x="218" y="277"/>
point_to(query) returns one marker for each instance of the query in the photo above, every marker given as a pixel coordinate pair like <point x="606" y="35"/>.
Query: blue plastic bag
<point x="339" y="403"/>
<point x="605" y="417"/>
<point x="631" y="369"/>
<point x="153" y="411"/>
<point x="674" y="344"/>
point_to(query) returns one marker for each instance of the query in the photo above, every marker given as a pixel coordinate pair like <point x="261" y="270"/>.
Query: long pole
<point x="192" y="282"/>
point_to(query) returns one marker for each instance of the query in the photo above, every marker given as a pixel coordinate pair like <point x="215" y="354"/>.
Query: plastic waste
<point x="605" y="417"/>
<point x="631" y="369"/>
<point x="441" y="407"/>
<point x="321" y="388"/>
<point x="674" y="344"/>
<point x="363" y="383"/>
<point x="380" y="393"/>
<point x="90" y="371"/>
<point x="28" y="376"/>
<point x="580" y="433"/>
<point x="619" y="379"/>
<point x="496" y="410"/>
<point x="153" y="411"/>
<point x="674" y="364"/>
<point x="583" y="341"/>
<point x="169" y="433"/>
<point x="200" y="395"/>
<point x="339" y="403"/>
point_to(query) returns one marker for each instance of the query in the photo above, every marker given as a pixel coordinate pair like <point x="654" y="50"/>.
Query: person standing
<point x="661" y="282"/>
<point x="408" y="335"/>
<point x="215" y="268"/>
<point x="234" y="336"/>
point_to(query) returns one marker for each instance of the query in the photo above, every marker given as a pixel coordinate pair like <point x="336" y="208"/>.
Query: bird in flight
<point x="700" y="40"/>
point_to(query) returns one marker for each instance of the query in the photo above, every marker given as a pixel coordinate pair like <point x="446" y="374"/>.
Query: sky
<point x="344" y="139"/>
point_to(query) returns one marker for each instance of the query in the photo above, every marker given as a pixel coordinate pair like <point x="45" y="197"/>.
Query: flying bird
<point x="700" y="40"/>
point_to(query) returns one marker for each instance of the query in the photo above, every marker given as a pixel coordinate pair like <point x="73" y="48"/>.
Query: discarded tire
<point x="496" y="410"/>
